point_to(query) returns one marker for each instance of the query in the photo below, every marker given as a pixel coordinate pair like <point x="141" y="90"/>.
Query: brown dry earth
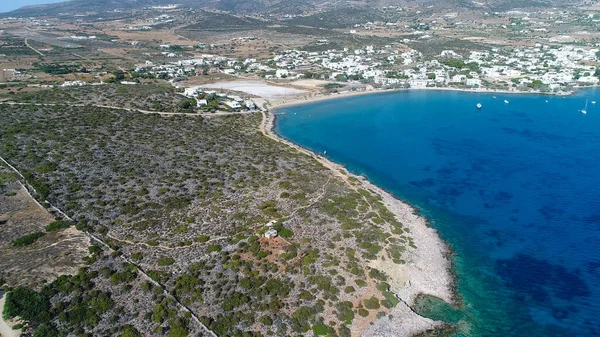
<point x="54" y="254"/>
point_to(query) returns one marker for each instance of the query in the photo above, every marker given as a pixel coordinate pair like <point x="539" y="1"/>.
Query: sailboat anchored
<point x="584" y="110"/>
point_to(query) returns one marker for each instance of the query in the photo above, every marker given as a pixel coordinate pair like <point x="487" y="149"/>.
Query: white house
<point x="458" y="78"/>
<point x="588" y="79"/>
<point x="190" y="92"/>
<point x="472" y="82"/>
<point x="271" y="233"/>
<point x="235" y="98"/>
<point x="280" y="73"/>
<point x="233" y="104"/>
<point x="73" y="84"/>
<point x="201" y="102"/>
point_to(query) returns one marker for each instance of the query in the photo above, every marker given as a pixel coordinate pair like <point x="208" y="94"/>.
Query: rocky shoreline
<point x="427" y="269"/>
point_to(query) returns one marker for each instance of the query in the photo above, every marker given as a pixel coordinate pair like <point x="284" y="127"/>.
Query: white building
<point x="233" y="104"/>
<point x="280" y="73"/>
<point x="271" y="233"/>
<point x="473" y="82"/>
<point x="73" y="84"/>
<point x="190" y="92"/>
<point x="418" y="83"/>
<point x="458" y="78"/>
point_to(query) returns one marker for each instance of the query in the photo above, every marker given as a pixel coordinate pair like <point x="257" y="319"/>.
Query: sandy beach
<point x="254" y="87"/>
<point x="427" y="269"/>
<point x="291" y="100"/>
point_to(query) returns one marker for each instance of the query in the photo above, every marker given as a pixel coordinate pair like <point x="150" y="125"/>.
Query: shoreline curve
<point x="427" y="270"/>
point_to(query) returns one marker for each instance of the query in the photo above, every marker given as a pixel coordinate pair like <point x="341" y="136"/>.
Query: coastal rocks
<point x="401" y="322"/>
<point x="426" y="269"/>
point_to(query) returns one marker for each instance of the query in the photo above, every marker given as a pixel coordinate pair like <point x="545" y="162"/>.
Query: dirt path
<point x="162" y="113"/>
<point x="124" y="258"/>
<point x="30" y="47"/>
<point x="167" y="247"/>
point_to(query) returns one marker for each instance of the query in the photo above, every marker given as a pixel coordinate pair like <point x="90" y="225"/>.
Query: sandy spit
<point x="427" y="268"/>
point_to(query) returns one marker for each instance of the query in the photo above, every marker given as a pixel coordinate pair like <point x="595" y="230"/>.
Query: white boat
<point x="494" y="97"/>
<point x="584" y="110"/>
<point x="505" y="101"/>
<point x="593" y="102"/>
<point x="479" y="105"/>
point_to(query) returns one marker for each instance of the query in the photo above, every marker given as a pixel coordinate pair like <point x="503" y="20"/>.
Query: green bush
<point x="203" y="238"/>
<point x="266" y="320"/>
<point x="285" y="233"/>
<point x="26" y="240"/>
<point x="166" y="261"/>
<point x="378" y="275"/>
<point x="130" y="331"/>
<point x="45" y="330"/>
<point x="214" y="248"/>
<point x="178" y="332"/>
<point x="123" y="277"/>
<point x="360" y="283"/>
<point x="57" y="225"/>
<point x="27" y="304"/>
<point x="345" y="312"/>
<point x="390" y="300"/>
<point x="383" y="286"/>
<point x="372" y="303"/>
<point x="320" y="329"/>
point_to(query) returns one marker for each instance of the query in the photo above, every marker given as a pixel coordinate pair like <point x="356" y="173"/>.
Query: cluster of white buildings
<point x="210" y="63"/>
<point x="234" y="102"/>
<point x="555" y="67"/>
<point x="539" y="67"/>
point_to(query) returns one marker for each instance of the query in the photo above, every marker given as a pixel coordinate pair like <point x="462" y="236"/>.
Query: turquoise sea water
<point x="513" y="188"/>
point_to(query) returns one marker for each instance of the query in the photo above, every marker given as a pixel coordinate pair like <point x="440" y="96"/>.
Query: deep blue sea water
<point x="513" y="188"/>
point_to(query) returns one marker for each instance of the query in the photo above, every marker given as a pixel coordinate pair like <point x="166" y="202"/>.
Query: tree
<point x="130" y="331"/>
<point x="27" y="304"/>
<point x="119" y="75"/>
<point x="178" y="332"/>
<point x="320" y="329"/>
<point x="187" y="104"/>
<point x="45" y="330"/>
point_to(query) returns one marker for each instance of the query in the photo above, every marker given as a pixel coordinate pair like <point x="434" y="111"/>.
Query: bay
<point x="511" y="187"/>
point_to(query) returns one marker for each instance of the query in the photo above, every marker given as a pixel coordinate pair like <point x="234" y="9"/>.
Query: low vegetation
<point x="28" y="239"/>
<point x="188" y="200"/>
